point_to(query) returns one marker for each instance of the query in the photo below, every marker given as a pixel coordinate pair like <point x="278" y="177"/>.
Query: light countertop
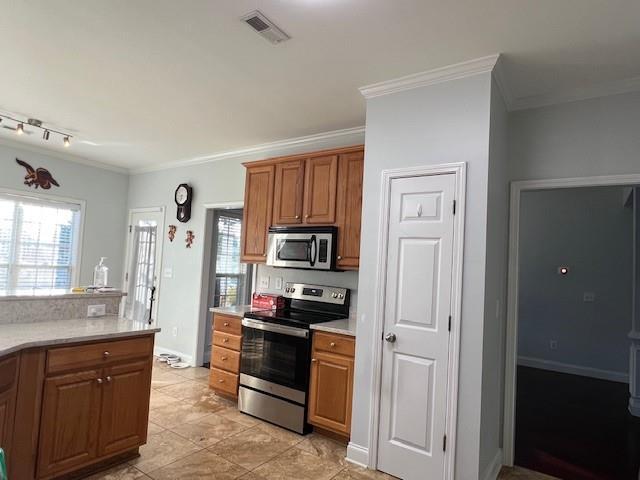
<point x="18" y="336"/>
<point x="56" y="296"/>
<point x="342" y="327"/>
<point x="237" y="311"/>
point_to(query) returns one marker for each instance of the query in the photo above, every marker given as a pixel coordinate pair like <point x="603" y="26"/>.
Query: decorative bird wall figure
<point x="40" y="177"/>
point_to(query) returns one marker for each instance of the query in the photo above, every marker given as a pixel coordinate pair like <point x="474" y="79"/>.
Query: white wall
<point x="590" y="231"/>
<point x="105" y="194"/>
<point x="495" y="288"/>
<point x="443" y="123"/>
<point x="179" y="299"/>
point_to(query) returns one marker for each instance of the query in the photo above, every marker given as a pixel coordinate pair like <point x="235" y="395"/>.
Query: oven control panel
<point x="316" y="293"/>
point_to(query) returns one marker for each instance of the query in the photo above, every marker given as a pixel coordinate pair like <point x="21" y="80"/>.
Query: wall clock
<point x="183" y="196"/>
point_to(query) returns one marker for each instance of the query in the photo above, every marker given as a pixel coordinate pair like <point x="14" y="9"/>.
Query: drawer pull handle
<point x="221" y="381"/>
<point x="332" y="344"/>
<point x="224" y="359"/>
<point x="106" y="354"/>
<point x="99" y="381"/>
<point x="226" y="324"/>
<point x="225" y="340"/>
<point x="108" y="379"/>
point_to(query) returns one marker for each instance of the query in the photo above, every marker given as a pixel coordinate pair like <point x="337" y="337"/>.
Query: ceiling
<point x="146" y="82"/>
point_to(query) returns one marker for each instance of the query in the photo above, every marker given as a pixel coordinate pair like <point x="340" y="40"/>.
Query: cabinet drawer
<point x="227" y="324"/>
<point x="227" y="340"/>
<point x="224" y="381"/>
<point x="334" y="343"/>
<point x="97" y="354"/>
<point x="225" y="359"/>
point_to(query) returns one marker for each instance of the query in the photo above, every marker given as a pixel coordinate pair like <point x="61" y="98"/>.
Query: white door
<point x="413" y="402"/>
<point x="144" y="254"/>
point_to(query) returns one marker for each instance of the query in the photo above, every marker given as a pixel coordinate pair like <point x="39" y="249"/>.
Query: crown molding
<point x="62" y="156"/>
<point x="573" y="95"/>
<point x="263" y="149"/>
<point x="431" y="77"/>
<point x="499" y="77"/>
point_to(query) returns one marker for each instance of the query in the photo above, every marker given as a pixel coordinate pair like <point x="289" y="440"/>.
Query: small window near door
<point x="232" y="278"/>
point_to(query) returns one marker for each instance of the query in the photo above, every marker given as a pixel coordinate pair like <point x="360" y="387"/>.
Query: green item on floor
<point x="3" y="466"/>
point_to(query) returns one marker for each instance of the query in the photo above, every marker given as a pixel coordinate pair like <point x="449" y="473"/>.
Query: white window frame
<point x="76" y="253"/>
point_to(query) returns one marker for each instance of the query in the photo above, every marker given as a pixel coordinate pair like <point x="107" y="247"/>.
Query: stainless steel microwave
<point x="312" y="248"/>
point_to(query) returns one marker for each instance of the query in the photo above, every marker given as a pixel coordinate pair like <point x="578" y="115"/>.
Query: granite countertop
<point x="237" y="311"/>
<point x="18" y="336"/>
<point x="115" y="293"/>
<point x="342" y="327"/>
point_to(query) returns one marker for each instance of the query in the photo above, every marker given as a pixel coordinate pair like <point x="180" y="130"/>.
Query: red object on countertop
<point x="262" y="300"/>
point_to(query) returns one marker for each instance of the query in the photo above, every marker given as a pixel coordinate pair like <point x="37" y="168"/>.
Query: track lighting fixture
<point x="35" y="123"/>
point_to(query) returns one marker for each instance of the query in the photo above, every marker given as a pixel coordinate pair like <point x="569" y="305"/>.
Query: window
<point x="38" y="243"/>
<point x="232" y="282"/>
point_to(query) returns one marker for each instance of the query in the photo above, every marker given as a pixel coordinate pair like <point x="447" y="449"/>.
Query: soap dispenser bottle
<point x="100" y="274"/>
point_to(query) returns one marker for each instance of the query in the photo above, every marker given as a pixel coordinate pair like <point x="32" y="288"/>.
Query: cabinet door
<point x="288" y="193"/>
<point x="258" y="203"/>
<point x="8" y="390"/>
<point x="321" y="189"/>
<point x="350" y="173"/>
<point x="330" y="392"/>
<point x="125" y="407"/>
<point x="69" y="422"/>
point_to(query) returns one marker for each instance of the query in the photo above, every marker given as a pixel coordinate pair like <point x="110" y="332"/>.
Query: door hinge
<point x="449" y="322"/>
<point x="454" y="207"/>
<point x="130" y="228"/>
<point x="444" y="443"/>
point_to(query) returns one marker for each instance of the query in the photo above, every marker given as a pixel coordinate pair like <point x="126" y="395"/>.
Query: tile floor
<point x="195" y="434"/>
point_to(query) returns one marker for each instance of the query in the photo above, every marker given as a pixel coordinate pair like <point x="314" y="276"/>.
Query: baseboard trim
<point x="185" y="358"/>
<point x="560" y="367"/>
<point x="493" y="469"/>
<point x="634" y="406"/>
<point x="358" y="455"/>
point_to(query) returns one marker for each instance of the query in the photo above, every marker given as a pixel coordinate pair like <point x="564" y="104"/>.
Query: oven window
<point x="296" y="250"/>
<point x="277" y="358"/>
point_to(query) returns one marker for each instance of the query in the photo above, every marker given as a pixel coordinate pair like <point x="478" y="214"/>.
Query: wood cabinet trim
<point x="317" y="153"/>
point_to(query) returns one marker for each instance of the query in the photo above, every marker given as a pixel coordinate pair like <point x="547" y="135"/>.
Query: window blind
<point x="231" y="275"/>
<point x="37" y="245"/>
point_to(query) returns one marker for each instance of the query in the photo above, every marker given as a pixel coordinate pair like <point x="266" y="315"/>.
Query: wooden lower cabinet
<point x="331" y="385"/>
<point x="8" y="390"/>
<point x="225" y="354"/>
<point x="70" y="419"/>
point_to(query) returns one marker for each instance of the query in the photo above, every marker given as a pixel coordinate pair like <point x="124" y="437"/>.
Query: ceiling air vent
<point x="265" y="27"/>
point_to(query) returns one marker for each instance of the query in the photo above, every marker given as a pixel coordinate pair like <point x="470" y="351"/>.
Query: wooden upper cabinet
<point x="70" y="416"/>
<point x="125" y="407"/>
<point x="321" y="182"/>
<point x="349" y="209"/>
<point x="288" y="192"/>
<point x="258" y="204"/>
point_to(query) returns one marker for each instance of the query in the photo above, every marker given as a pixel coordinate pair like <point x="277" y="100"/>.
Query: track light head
<point x="45" y="135"/>
<point x="20" y="129"/>
<point x="66" y="141"/>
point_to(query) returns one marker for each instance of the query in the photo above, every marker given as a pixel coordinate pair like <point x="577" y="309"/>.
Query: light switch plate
<point x="168" y="272"/>
<point x="278" y="283"/>
<point x="264" y="281"/>
<point x="96" y="311"/>
<point x="589" y="297"/>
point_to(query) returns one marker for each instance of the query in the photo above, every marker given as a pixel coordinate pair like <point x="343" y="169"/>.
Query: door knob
<point x="390" y="337"/>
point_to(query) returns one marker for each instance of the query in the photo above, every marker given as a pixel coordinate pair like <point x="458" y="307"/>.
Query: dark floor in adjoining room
<point x="575" y="428"/>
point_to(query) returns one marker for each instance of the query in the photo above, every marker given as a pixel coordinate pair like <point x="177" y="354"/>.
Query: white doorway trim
<point x="127" y="249"/>
<point x="205" y="276"/>
<point x="511" y="355"/>
<point x="459" y="170"/>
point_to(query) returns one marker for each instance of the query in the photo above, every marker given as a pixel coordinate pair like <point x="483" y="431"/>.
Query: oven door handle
<point x="313" y="250"/>
<point x="275" y="328"/>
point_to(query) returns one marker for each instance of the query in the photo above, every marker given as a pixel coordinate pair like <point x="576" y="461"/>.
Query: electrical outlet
<point x="264" y="281"/>
<point x="553" y="344"/>
<point x="96" y="311"/>
<point x="278" y="283"/>
<point x="174" y="331"/>
<point x="589" y="297"/>
<point x="168" y="272"/>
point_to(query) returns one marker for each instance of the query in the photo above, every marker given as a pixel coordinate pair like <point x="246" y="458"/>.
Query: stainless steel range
<point x="276" y="351"/>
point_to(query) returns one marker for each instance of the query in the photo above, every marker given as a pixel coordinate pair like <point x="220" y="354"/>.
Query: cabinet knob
<point x="264" y="255"/>
<point x="313" y="360"/>
<point x="99" y="381"/>
<point x="339" y="257"/>
<point x="108" y="379"/>
<point x="224" y="359"/>
<point x="106" y="354"/>
<point x="221" y="381"/>
<point x="297" y="216"/>
<point x="332" y="344"/>
<point x="306" y="216"/>
<point x="226" y="324"/>
<point x="225" y="340"/>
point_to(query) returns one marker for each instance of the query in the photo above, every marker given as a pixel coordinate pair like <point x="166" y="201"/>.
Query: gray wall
<point x="105" y="194"/>
<point x="590" y="231"/>
<point x="443" y="123"/>
<point x="495" y="287"/>
<point x="180" y="298"/>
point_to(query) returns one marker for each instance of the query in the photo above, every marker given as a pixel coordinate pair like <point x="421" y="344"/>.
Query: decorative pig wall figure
<point x="189" y="239"/>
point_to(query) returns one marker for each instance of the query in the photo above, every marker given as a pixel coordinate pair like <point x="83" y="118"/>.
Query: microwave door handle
<point x="313" y="250"/>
